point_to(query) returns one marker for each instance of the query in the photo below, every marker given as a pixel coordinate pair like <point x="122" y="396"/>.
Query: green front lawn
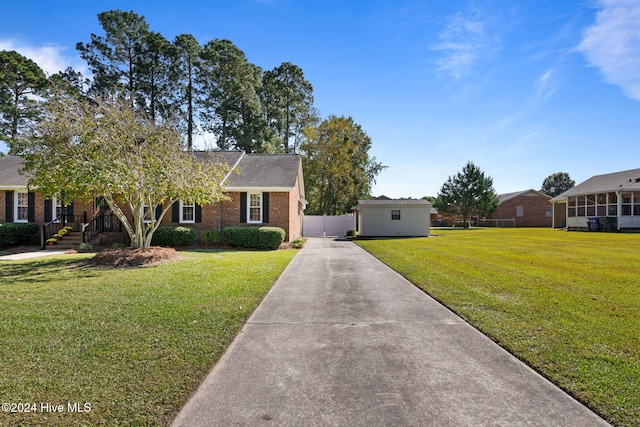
<point x="131" y="343"/>
<point x="567" y="303"/>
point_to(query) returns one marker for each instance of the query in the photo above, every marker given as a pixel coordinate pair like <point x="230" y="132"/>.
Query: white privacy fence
<point x="325" y="226"/>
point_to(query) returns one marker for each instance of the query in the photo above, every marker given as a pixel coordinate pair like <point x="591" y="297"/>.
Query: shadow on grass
<point x="40" y="270"/>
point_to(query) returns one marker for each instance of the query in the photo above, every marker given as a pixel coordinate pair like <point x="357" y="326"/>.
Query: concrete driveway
<point x="342" y="340"/>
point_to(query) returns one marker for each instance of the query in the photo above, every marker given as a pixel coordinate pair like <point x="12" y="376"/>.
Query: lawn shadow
<point x="40" y="269"/>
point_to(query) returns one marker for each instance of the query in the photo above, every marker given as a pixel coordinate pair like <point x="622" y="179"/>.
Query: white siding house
<point x="393" y="218"/>
<point x="612" y="199"/>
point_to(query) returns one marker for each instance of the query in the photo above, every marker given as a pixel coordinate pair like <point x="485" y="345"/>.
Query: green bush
<point x="173" y="236"/>
<point x="12" y="234"/>
<point x="85" y="247"/>
<point x="210" y="237"/>
<point x="297" y="244"/>
<point x="254" y="237"/>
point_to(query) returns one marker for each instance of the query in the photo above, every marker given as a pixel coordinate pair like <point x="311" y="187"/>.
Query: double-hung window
<point x="254" y="207"/>
<point x="187" y="212"/>
<point x="146" y="213"/>
<point x="395" y="214"/>
<point x="22" y="207"/>
<point x="56" y="207"/>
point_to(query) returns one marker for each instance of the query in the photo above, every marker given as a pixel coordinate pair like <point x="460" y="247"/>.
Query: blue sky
<point x="523" y="88"/>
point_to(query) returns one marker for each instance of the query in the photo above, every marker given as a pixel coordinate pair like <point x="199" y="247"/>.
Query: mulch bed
<point x="127" y="257"/>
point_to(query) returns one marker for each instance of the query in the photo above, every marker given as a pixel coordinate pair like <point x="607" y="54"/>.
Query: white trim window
<point x="254" y="208"/>
<point x="520" y="211"/>
<point x="56" y="207"/>
<point x="145" y="212"/>
<point x="21" y="213"/>
<point x="395" y="214"/>
<point x="187" y="212"/>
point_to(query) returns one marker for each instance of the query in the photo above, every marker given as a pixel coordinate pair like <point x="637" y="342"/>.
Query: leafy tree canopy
<point x="101" y="148"/>
<point x="468" y="193"/>
<point x="288" y="104"/>
<point x="556" y="184"/>
<point x="338" y="167"/>
<point x="22" y="81"/>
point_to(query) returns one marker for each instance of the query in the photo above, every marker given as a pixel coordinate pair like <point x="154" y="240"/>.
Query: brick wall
<point x="295" y="212"/>
<point x="535" y="211"/>
<point x="283" y="213"/>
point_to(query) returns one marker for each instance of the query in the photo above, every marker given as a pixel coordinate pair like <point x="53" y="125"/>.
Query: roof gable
<point x="628" y="180"/>
<point x="527" y="193"/>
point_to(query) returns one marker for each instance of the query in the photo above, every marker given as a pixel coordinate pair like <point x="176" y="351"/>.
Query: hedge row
<point x="254" y="237"/>
<point x="173" y="236"/>
<point x="12" y="234"/>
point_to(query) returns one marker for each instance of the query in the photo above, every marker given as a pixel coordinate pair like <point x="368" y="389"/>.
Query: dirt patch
<point x="127" y="257"/>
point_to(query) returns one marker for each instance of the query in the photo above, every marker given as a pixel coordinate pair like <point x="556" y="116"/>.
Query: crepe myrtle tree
<point x="105" y="148"/>
<point x="467" y="193"/>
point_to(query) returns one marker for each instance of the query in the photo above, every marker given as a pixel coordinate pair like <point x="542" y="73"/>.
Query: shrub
<point x="12" y="234"/>
<point x="210" y="237"/>
<point x="85" y="247"/>
<point x="351" y="233"/>
<point x="254" y="237"/>
<point x="297" y="244"/>
<point x="173" y="236"/>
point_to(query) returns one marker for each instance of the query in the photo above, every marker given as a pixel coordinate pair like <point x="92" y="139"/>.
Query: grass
<point x="132" y="343"/>
<point x="566" y="303"/>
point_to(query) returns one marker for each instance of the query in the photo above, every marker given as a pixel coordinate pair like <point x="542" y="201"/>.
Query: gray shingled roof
<point x="265" y="171"/>
<point x="228" y="157"/>
<point x="626" y="181"/>
<point x="10" y="175"/>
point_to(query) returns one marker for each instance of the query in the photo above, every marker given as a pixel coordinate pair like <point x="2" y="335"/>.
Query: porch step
<point x="71" y="240"/>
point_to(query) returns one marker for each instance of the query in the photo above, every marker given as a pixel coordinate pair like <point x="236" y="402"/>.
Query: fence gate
<point x="325" y="226"/>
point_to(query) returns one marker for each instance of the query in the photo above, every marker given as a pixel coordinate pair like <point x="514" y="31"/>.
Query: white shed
<point x="393" y="217"/>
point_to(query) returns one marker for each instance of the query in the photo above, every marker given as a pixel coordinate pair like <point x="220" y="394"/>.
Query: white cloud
<point x="612" y="44"/>
<point x="50" y="58"/>
<point x="466" y="40"/>
<point x="546" y="86"/>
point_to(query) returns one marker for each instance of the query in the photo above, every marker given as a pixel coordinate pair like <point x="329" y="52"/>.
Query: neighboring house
<point x="613" y="197"/>
<point x="381" y="217"/>
<point x="265" y="189"/>
<point x="528" y="208"/>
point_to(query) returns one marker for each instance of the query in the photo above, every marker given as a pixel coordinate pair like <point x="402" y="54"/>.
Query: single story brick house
<point x="528" y="208"/>
<point x="612" y="201"/>
<point x="264" y="189"/>
<point x="393" y="217"/>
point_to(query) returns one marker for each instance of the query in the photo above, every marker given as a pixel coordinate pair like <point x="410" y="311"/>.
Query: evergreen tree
<point x="468" y="193"/>
<point x="228" y="94"/>
<point x="287" y="99"/>
<point x="184" y="79"/>
<point x="556" y="184"/>
<point x="116" y="58"/>
<point x="22" y="81"/>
